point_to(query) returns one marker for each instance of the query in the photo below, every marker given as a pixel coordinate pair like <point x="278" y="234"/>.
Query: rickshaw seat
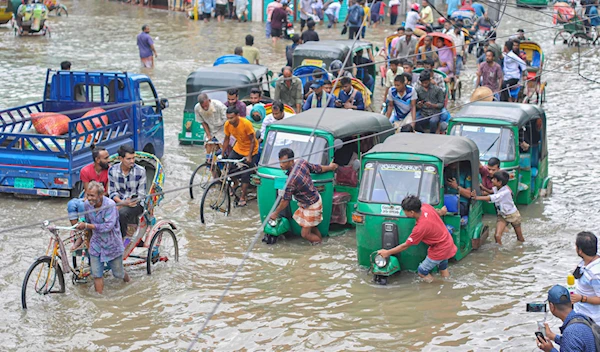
<point x="338" y="209"/>
<point x="452" y="201"/>
<point x="346" y="176"/>
<point x="536" y="59"/>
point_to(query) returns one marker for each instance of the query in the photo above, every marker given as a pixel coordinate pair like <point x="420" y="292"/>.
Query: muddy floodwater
<point x="290" y="296"/>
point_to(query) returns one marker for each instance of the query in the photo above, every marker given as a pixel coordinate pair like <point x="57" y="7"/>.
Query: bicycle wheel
<point x="216" y="201"/>
<point x="163" y="249"/>
<point x="562" y="37"/>
<point x="41" y="280"/>
<point x="579" y="39"/>
<point x="200" y="178"/>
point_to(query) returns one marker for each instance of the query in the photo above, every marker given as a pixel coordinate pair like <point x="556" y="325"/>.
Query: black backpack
<point x="592" y="325"/>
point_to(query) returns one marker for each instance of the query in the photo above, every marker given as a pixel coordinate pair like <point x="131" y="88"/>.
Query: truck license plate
<point x="24" y="183"/>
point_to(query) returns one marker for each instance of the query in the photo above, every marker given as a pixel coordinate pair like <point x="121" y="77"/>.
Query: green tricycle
<point x="516" y="135"/>
<point x="215" y="80"/>
<point x="334" y="140"/>
<point x="414" y="164"/>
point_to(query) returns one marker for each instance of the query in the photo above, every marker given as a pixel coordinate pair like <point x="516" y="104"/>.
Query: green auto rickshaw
<point x="215" y="81"/>
<point x="334" y="140"/>
<point x="323" y="53"/>
<point x="499" y="130"/>
<point x="414" y="164"/>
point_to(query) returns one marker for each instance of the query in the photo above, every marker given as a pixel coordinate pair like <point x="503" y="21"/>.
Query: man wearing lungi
<point x="301" y="186"/>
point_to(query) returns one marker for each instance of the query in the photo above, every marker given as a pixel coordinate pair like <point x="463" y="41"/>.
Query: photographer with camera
<point x="586" y="298"/>
<point x="576" y="330"/>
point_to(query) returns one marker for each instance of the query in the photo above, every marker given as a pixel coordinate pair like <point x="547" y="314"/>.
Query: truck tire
<point x="77" y="189"/>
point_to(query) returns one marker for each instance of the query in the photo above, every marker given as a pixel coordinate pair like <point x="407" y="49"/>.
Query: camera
<point x="536" y="307"/>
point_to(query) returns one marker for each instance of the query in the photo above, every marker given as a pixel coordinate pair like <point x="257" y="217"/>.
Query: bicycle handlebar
<point x="233" y="161"/>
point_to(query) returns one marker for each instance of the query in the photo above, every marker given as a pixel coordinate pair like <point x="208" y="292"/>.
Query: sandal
<point x="242" y="203"/>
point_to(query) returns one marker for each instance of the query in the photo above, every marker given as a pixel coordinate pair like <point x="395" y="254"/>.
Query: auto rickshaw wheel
<point x="269" y="239"/>
<point x="381" y="280"/>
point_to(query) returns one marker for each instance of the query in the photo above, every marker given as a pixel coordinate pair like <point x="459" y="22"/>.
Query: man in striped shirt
<point x="401" y="100"/>
<point x="127" y="187"/>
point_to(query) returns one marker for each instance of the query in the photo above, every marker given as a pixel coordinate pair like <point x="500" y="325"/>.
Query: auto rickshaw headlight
<point x="272" y="223"/>
<point x="380" y="261"/>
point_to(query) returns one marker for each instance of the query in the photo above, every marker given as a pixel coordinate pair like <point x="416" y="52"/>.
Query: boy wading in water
<point x="507" y="211"/>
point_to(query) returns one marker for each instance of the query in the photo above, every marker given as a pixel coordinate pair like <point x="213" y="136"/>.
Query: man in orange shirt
<point x="246" y="145"/>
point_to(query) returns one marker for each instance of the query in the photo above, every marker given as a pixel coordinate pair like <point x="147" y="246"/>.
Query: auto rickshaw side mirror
<point x="164" y="103"/>
<point x="376" y="49"/>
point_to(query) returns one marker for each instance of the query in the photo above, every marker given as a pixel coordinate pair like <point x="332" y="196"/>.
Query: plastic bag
<point x="50" y="123"/>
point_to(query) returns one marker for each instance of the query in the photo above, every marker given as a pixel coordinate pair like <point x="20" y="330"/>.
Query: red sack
<point x="50" y="123"/>
<point x="93" y="123"/>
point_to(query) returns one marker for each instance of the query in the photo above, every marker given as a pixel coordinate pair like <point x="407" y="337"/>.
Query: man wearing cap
<point x="430" y="102"/>
<point x="576" y="334"/>
<point x="405" y="47"/>
<point x="318" y="98"/>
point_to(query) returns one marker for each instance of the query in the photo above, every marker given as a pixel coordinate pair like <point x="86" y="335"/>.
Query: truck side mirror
<point x="164" y="103"/>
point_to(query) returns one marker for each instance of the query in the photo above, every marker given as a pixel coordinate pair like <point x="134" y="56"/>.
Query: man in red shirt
<point x="429" y="229"/>
<point x="96" y="171"/>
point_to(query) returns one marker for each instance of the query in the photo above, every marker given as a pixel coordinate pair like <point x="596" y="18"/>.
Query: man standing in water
<point x="146" y="46"/>
<point x="106" y="245"/>
<point x="300" y="185"/>
<point x="429" y="229"/>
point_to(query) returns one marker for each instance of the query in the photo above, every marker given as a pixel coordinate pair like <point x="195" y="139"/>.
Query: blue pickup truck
<point x="37" y="164"/>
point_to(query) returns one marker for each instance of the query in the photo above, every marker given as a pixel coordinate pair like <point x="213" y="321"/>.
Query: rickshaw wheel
<point x="41" y="268"/>
<point x="562" y="36"/>
<point x="216" y="201"/>
<point x="202" y="176"/>
<point x="163" y="248"/>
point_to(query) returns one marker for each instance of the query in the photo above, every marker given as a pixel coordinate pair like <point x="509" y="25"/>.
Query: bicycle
<point x="216" y="199"/>
<point x="149" y="242"/>
<point x="207" y="170"/>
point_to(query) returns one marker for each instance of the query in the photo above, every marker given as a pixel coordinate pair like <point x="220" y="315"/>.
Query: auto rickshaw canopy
<point x="341" y="123"/>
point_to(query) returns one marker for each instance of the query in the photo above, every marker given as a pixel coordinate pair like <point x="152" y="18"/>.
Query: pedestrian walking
<point x="220" y="10"/>
<point x="146" y="46"/>
<point x="241" y="10"/>
<point x="251" y="53"/>
<point x="207" y="7"/>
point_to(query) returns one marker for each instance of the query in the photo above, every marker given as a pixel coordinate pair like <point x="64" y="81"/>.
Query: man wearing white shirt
<point x="586" y="298"/>
<point x="278" y="113"/>
<point x="333" y="12"/>
<point x="513" y="70"/>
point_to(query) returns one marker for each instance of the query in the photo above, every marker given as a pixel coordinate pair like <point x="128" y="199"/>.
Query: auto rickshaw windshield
<point x="391" y="182"/>
<point x="492" y="141"/>
<point x="277" y="140"/>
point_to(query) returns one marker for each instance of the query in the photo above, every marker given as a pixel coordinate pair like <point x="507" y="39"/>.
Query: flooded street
<point x="291" y="296"/>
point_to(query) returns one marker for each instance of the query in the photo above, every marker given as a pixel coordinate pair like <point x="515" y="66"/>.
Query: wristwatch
<point x="583" y="299"/>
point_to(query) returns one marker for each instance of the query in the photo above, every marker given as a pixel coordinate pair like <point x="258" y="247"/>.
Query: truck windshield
<point x="388" y="182"/>
<point x="492" y="141"/>
<point x="277" y="140"/>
